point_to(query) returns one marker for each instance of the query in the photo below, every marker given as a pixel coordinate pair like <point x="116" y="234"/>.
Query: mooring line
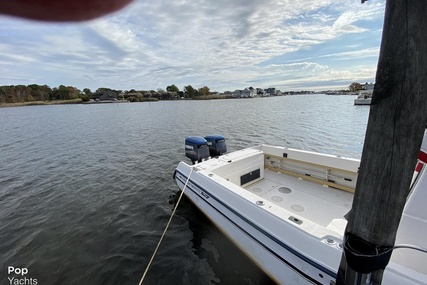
<point x="166" y="228"/>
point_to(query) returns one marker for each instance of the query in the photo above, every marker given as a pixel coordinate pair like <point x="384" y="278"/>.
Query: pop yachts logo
<point x="20" y="279"/>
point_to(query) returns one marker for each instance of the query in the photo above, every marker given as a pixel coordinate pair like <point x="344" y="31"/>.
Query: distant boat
<point x="285" y="209"/>
<point x="364" y="98"/>
<point x="365" y="95"/>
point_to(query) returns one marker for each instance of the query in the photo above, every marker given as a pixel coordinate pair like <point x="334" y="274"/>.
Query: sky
<point x="223" y="44"/>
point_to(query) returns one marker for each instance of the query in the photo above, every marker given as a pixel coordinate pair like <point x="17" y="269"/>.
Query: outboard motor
<point x="216" y="145"/>
<point x="196" y="148"/>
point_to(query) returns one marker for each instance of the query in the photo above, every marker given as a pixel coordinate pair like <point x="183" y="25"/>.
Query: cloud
<point x="222" y="44"/>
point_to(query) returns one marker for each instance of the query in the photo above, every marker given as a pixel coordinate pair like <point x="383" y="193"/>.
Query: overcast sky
<point x="222" y="44"/>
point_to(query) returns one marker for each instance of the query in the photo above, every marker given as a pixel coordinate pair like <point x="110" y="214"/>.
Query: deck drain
<point x="297" y="208"/>
<point x="329" y="241"/>
<point x="277" y="199"/>
<point x="285" y="190"/>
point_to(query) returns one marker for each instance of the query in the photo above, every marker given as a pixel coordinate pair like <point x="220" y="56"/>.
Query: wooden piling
<point x="397" y="119"/>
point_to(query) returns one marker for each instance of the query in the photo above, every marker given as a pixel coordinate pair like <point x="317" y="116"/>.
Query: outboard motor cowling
<point x="216" y="144"/>
<point x="196" y="148"/>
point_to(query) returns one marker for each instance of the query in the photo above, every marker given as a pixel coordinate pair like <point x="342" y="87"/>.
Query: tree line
<point x="35" y="92"/>
<point x="189" y="91"/>
<point x="356" y="86"/>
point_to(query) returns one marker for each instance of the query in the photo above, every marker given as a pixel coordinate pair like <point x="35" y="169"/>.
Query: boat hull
<point x="278" y="259"/>
<point x="361" y="101"/>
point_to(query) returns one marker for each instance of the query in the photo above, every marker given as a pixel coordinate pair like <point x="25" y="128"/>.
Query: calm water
<point x="86" y="190"/>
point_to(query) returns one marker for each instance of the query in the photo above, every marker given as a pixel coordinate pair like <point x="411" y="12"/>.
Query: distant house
<point x="170" y="95"/>
<point x="106" y="95"/>
<point x="260" y="92"/>
<point x="255" y="92"/>
<point x="236" y="93"/>
<point x="271" y="91"/>
<point x="121" y="95"/>
<point x="247" y="93"/>
<point x="368" y="86"/>
<point x="366" y="91"/>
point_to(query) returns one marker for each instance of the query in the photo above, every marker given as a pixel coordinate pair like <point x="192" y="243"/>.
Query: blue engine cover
<point x="216" y="144"/>
<point x="196" y="148"/>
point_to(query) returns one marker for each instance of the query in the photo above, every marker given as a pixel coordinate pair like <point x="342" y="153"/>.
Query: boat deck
<point x="309" y="200"/>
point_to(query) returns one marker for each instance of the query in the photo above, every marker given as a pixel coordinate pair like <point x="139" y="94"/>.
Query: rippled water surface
<point x="86" y="190"/>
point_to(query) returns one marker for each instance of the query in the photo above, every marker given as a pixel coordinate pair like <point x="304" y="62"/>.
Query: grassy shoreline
<point x="63" y="102"/>
<point x="212" y="97"/>
<point x="39" y="103"/>
<point x="79" y="101"/>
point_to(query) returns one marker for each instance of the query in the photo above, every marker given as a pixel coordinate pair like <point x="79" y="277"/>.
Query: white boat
<point x="285" y="209"/>
<point x="364" y="98"/>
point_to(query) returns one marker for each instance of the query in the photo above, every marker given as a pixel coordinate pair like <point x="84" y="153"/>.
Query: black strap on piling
<point x="365" y="257"/>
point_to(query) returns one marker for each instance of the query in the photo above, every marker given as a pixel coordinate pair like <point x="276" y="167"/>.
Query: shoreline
<point x="62" y="102"/>
<point x="79" y="101"/>
<point x="41" y="103"/>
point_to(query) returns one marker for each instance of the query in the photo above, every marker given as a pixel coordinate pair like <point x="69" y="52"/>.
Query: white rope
<point x="166" y="228"/>
<point x="410" y="246"/>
